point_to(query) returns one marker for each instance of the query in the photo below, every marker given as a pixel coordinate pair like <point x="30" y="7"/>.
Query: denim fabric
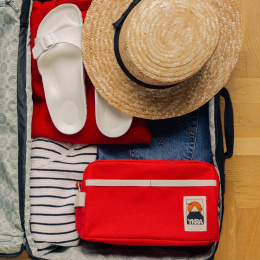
<point x="181" y="138"/>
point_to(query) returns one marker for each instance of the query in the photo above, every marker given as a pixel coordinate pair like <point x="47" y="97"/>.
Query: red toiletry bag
<point x="149" y="203"/>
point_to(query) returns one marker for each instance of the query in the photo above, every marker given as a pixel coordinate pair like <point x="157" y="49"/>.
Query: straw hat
<point x="158" y="59"/>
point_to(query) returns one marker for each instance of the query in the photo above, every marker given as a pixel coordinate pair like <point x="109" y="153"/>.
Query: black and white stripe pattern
<point x="56" y="167"/>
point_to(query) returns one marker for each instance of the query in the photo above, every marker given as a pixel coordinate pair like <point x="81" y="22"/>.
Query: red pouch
<point x="149" y="203"/>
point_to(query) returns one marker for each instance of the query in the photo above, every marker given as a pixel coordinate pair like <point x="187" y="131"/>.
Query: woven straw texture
<point x="195" y="42"/>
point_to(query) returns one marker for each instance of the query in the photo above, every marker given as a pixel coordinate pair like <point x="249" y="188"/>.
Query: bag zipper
<point x="11" y="4"/>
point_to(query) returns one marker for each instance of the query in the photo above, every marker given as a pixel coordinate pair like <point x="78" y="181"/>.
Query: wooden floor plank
<point x="246" y="119"/>
<point x="252" y="10"/>
<point x="244" y="90"/>
<point x="240" y="70"/>
<point x="243" y="168"/>
<point x="247" y="194"/>
<point x="248" y="230"/>
<point x="227" y="244"/>
<point x="247" y="146"/>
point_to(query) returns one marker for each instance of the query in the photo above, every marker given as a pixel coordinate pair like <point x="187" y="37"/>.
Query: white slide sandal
<point x="110" y="121"/>
<point x="59" y="59"/>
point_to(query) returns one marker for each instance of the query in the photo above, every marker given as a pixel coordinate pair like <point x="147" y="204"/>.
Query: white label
<point x="195" y="213"/>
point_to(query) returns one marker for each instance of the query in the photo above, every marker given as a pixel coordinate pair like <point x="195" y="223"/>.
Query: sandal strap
<point x="71" y="35"/>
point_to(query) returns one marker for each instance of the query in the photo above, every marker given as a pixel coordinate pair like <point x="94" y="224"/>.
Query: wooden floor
<point x="240" y="238"/>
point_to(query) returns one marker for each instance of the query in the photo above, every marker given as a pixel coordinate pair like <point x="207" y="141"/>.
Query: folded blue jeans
<point x="181" y="138"/>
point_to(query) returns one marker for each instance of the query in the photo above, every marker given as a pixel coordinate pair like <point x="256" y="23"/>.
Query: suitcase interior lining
<point x="11" y="230"/>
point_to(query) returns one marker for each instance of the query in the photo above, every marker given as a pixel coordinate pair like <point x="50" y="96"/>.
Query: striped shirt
<point x="55" y="169"/>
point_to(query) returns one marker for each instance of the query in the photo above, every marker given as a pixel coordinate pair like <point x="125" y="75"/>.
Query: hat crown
<point x="164" y="42"/>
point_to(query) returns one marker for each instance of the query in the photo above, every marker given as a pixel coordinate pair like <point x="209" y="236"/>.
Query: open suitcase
<point x="15" y="156"/>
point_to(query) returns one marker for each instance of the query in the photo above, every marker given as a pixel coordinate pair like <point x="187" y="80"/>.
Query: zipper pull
<point x="11" y="3"/>
<point x="80" y="197"/>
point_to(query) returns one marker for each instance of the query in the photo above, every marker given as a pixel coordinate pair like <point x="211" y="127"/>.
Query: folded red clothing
<point x="149" y="203"/>
<point x="41" y="121"/>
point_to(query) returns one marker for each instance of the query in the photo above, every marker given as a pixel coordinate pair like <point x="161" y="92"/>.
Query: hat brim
<point x="122" y="93"/>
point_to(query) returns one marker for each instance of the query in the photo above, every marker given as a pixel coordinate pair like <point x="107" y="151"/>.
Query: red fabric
<point x="41" y="121"/>
<point x="145" y="215"/>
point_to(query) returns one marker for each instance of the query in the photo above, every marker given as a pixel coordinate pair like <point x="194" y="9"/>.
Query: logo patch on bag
<point x="195" y="213"/>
